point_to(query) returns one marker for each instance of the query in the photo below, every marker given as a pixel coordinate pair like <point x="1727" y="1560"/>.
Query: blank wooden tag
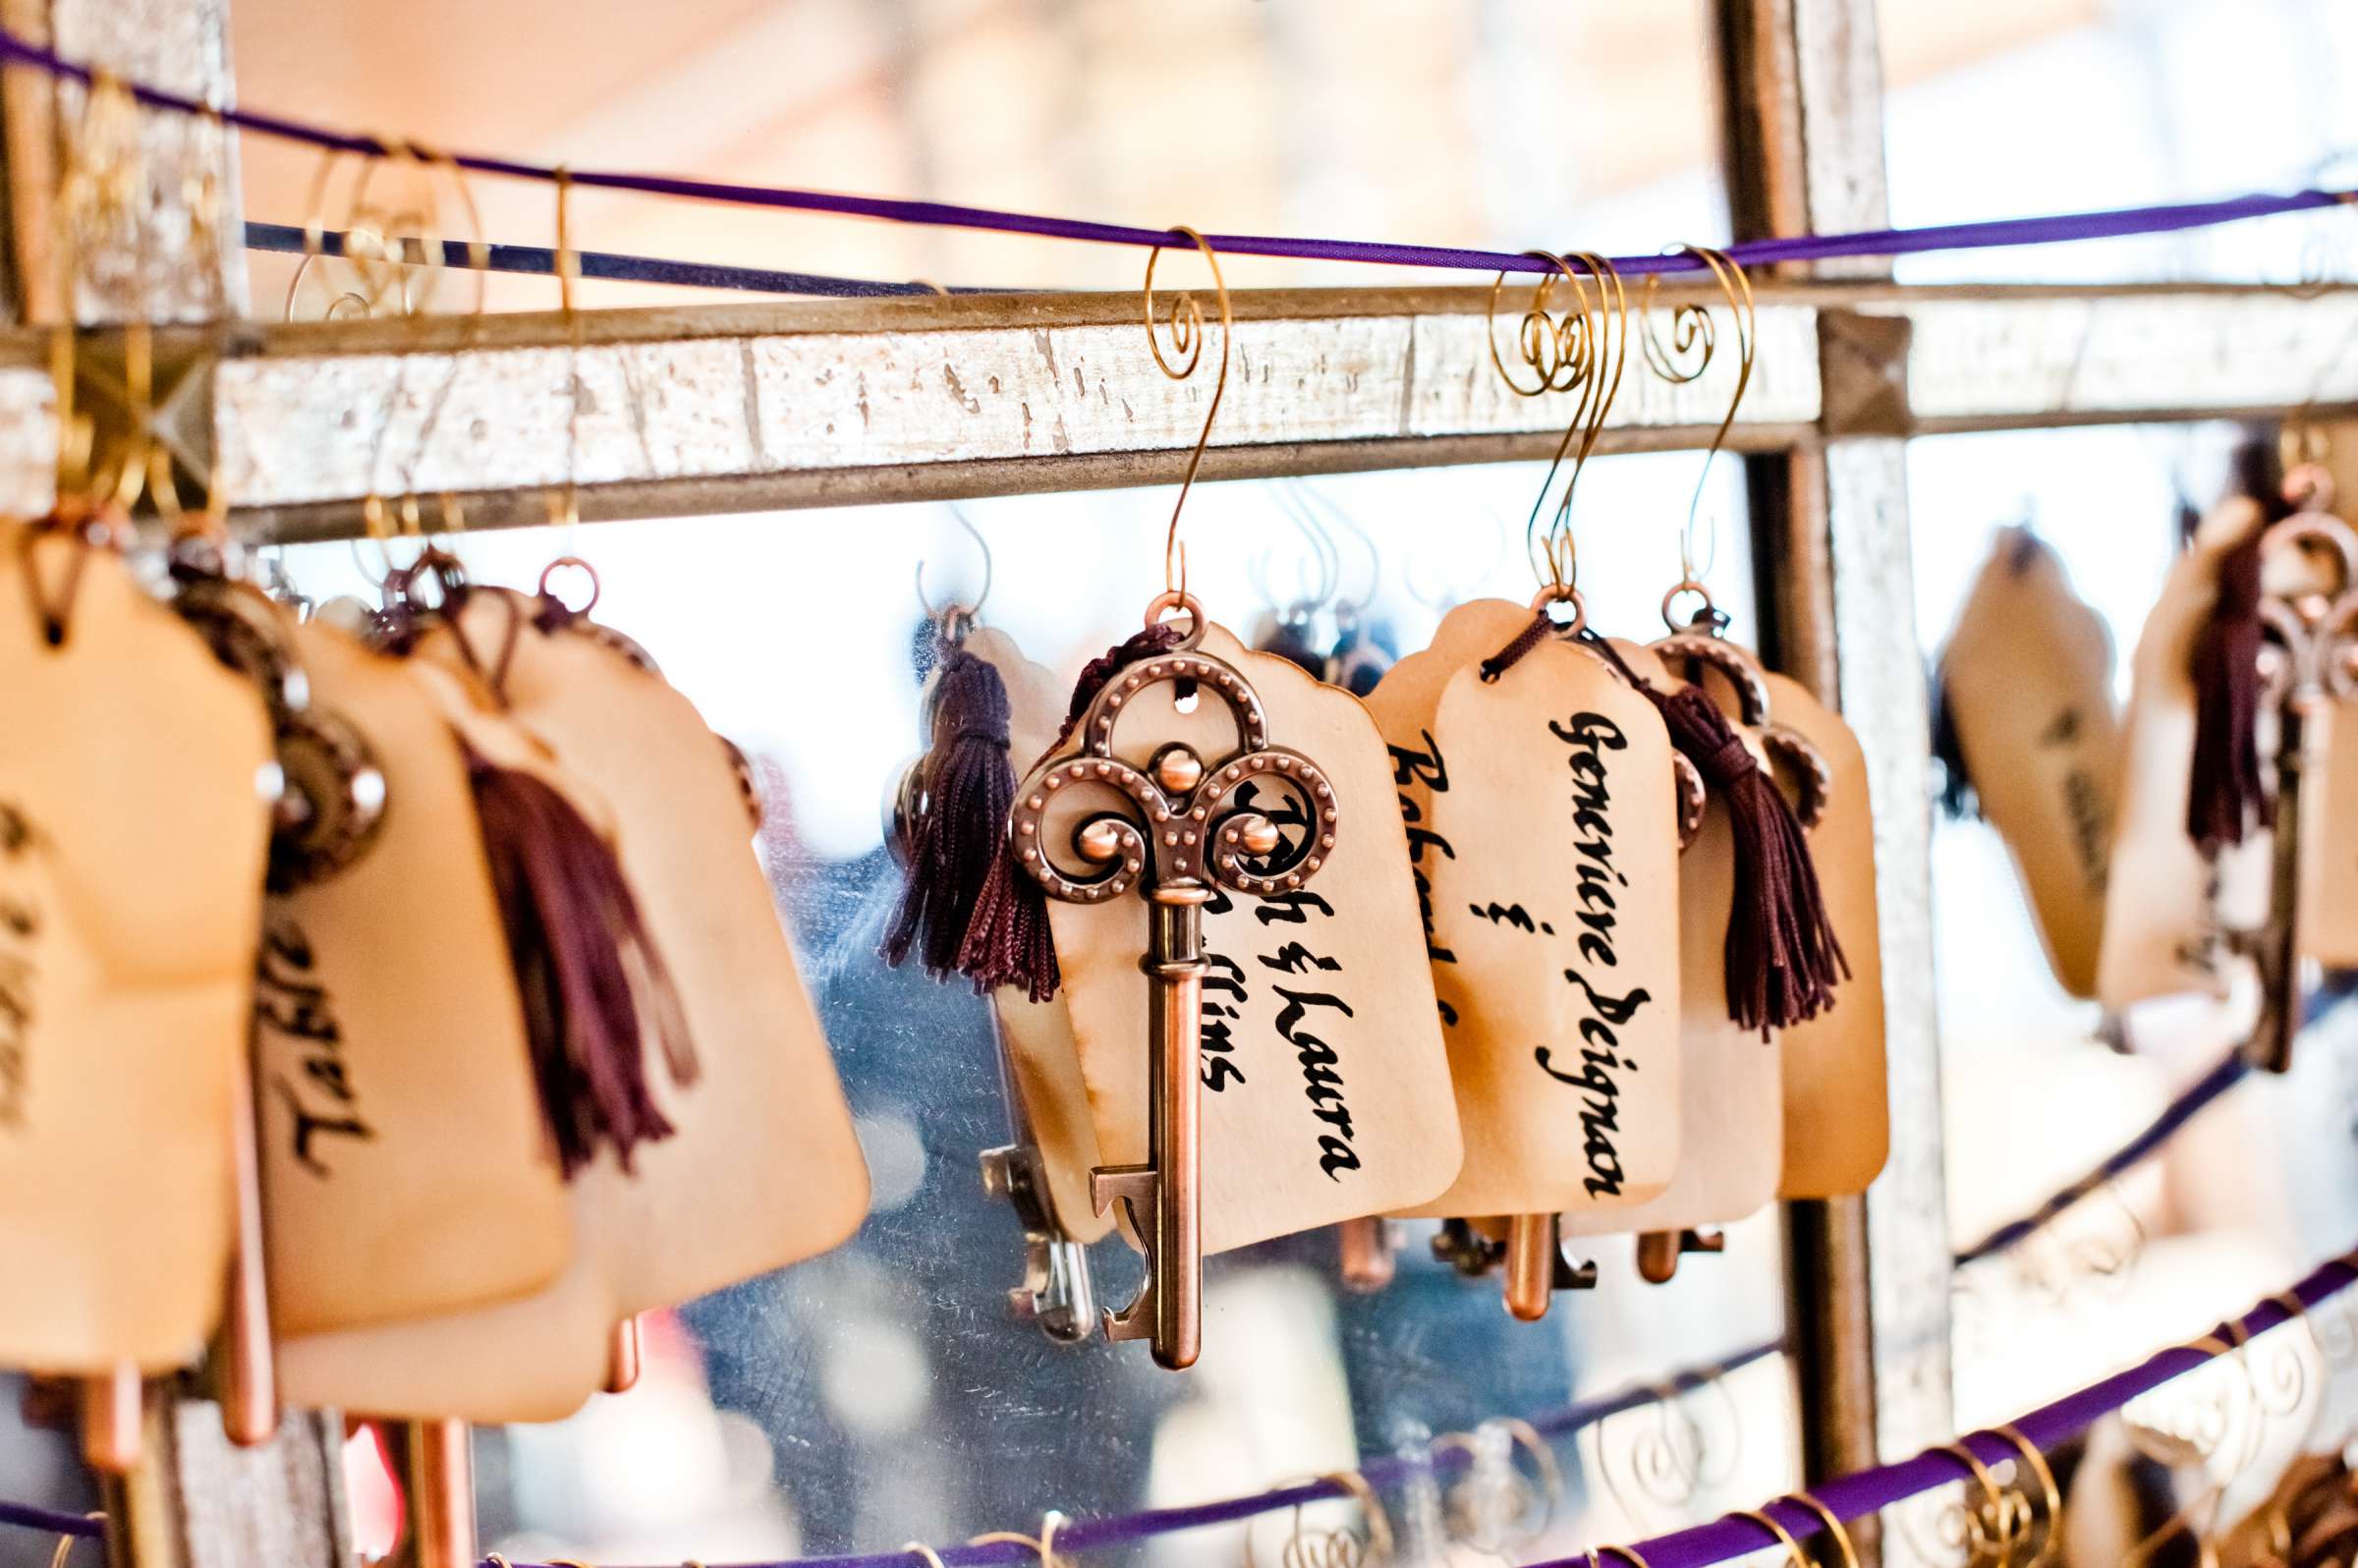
<point x="1838" y="1101"/>
<point x="1041" y="1052"/>
<point x="132" y="834"/>
<point x="763" y="1170"/>
<point x="2165" y="905"/>
<point x="2028" y="674"/>
<point x="1732" y="1135"/>
<point x="2329" y="922"/>
<point x="406" y="1167"/>
<point x="1326" y="1088"/>
<point x="1552" y="883"/>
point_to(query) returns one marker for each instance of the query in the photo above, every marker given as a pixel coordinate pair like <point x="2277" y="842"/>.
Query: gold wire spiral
<point x="1186" y="327"/>
<point x="1693" y="341"/>
<point x="1495" y="1508"/>
<point x="1583" y="352"/>
<point x="1556" y="352"/>
<point x="1670" y="1460"/>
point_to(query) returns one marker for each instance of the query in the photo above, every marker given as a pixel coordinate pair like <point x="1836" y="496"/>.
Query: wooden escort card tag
<point x="2309" y="570"/>
<point x="1325" y="1086"/>
<point x="407" y="1169"/>
<point x="1731" y="1138"/>
<point x="2329" y="923"/>
<point x="1544" y="835"/>
<point x="134" y="831"/>
<point x="1837" y="1101"/>
<point x="763" y="1169"/>
<point x="1042" y="1055"/>
<point x="2163" y="911"/>
<point x="2028" y="674"/>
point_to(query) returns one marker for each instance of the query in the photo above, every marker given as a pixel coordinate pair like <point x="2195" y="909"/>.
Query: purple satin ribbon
<point x="2048" y="230"/>
<point x="1872" y="1490"/>
<point x="2232" y="1070"/>
<point x="50" y="1521"/>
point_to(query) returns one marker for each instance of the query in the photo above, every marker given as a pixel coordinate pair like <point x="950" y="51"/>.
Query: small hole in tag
<point x="1184" y="700"/>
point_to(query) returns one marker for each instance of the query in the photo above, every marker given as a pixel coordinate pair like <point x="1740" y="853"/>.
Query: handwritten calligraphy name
<point x="1602" y="1065"/>
<point x="1424" y="770"/>
<point x="20" y="932"/>
<point x="289" y="1004"/>
<point x="2083" y="807"/>
<point x="1320" y="1063"/>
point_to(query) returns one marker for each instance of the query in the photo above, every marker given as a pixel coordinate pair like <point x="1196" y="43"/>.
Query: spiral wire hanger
<point x="1186" y="328"/>
<point x="1584" y="353"/>
<point x="1681" y="360"/>
<point x="954" y="618"/>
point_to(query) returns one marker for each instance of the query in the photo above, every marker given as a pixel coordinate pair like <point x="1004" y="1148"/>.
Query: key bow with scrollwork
<point x="2309" y="644"/>
<point x="1181" y="833"/>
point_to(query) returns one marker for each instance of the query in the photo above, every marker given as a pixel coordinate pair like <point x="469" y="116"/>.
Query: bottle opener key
<point x="1179" y="833"/>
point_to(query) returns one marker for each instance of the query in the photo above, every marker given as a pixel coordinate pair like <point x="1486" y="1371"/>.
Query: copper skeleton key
<point x="1658" y="1252"/>
<point x="1056" y="1292"/>
<point x="2308" y="662"/>
<point x="1174" y="836"/>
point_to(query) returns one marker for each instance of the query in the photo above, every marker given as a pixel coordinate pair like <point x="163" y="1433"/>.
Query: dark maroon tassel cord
<point x="2223" y="794"/>
<point x="969" y="788"/>
<point x="1008" y="941"/>
<point x="1782" y="958"/>
<point x="1957" y="799"/>
<point x="591" y="977"/>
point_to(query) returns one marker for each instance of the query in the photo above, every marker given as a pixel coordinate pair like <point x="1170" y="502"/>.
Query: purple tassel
<point x="586" y="969"/>
<point x="1959" y="801"/>
<point x="2223" y="794"/>
<point x="970" y="787"/>
<point x="1781" y="957"/>
<point x="1008" y="941"/>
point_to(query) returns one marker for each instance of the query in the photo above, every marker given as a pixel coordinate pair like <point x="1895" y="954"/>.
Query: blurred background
<point x="884" y="1392"/>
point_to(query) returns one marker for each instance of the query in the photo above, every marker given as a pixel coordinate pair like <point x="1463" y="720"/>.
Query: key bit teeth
<point x="1134" y="1322"/>
<point x="1575" y="1275"/>
<point x="997" y="1181"/>
<point x="1134" y="1185"/>
<point x="1657" y="1257"/>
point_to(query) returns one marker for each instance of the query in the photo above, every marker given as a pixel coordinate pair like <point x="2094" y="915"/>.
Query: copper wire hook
<point x="1692" y="327"/>
<point x="1562" y="357"/>
<point x="2051" y="1495"/>
<point x="65" y="1543"/>
<point x="1994" y="1497"/>
<point x="1044" y="1542"/>
<point x="1379" y="1538"/>
<point x="1613" y="342"/>
<point x="1380" y="1520"/>
<point x="1185" y="328"/>
<point x="1831" y="1524"/>
<point x="1795" y="1557"/>
<point x="568" y="267"/>
<point x="957" y="608"/>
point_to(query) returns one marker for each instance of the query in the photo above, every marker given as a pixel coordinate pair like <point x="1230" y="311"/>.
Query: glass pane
<point x="2260" y="1185"/>
<point x="1387" y="121"/>
<point x="2000" y="111"/>
<point x="886" y="1391"/>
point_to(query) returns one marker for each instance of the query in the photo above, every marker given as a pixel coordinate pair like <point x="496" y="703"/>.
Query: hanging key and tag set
<point x="1609" y="856"/>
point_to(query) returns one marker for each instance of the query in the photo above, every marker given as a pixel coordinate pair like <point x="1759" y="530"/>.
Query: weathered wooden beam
<point x="808" y="403"/>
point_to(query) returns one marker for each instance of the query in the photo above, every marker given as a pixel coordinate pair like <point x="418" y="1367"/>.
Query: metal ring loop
<point x="1551" y="594"/>
<point x="1179" y="599"/>
<point x="552" y="568"/>
<point x="1685" y="585"/>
